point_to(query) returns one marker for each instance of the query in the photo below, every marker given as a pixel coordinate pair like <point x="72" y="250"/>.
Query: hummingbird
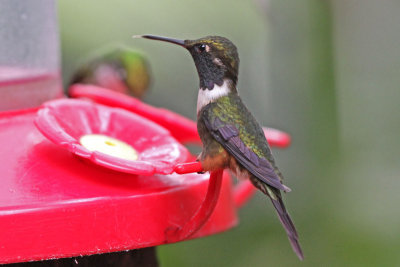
<point x="118" y="68"/>
<point x="231" y="136"/>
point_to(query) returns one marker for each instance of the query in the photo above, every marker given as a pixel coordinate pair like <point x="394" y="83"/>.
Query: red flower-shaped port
<point x="131" y="143"/>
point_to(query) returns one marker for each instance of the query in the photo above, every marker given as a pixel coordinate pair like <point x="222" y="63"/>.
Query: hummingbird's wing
<point x="235" y="128"/>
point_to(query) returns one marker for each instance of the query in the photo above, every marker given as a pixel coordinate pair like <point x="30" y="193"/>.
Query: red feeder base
<point x="54" y="205"/>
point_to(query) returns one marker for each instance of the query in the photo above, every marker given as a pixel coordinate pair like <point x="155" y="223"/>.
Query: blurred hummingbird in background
<point x="231" y="136"/>
<point x="119" y="69"/>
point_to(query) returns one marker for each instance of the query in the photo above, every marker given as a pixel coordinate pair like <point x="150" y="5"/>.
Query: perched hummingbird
<point x="231" y="136"/>
<point x="119" y="69"/>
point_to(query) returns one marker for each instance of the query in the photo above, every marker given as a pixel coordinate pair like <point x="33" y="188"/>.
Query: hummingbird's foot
<point x="198" y="160"/>
<point x="200" y="172"/>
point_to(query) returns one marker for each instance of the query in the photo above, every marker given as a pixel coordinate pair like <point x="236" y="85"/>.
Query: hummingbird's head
<point x="117" y="68"/>
<point x="215" y="57"/>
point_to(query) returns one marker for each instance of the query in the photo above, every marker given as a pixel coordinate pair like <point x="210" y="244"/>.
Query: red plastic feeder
<point x="54" y="203"/>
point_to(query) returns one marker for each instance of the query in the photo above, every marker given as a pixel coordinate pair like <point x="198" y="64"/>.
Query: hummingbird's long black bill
<point x="160" y="38"/>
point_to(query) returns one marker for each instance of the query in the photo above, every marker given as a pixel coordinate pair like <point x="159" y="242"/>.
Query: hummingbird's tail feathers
<point x="276" y="199"/>
<point x="287" y="224"/>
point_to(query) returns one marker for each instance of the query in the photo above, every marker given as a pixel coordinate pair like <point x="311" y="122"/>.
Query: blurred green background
<point x="327" y="72"/>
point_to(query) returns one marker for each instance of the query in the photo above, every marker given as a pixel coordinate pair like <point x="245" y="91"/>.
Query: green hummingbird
<point x="118" y="68"/>
<point x="231" y="136"/>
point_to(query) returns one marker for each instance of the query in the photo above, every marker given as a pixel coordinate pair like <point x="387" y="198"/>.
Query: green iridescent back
<point x="231" y="110"/>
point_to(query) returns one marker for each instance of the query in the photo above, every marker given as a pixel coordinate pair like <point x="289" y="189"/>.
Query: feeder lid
<point x="110" y="137"/>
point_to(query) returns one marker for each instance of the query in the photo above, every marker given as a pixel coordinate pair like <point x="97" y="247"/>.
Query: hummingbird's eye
<point x="201" y="47"/>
